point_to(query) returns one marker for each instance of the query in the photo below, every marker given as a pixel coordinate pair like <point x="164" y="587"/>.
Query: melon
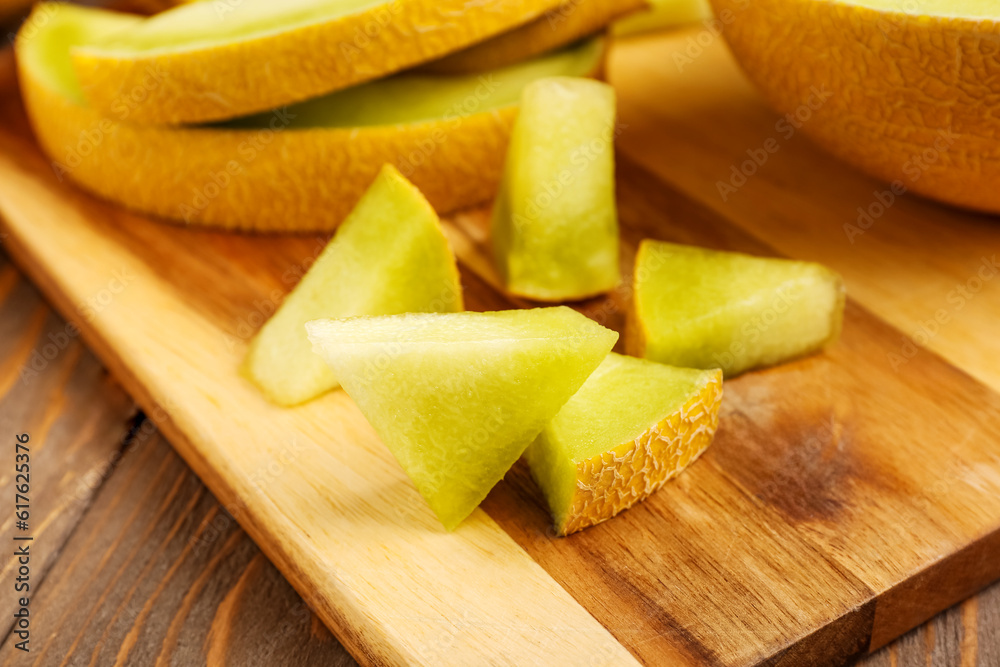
<point x="298" y="169"/>
<point x="632" y="426"/>
<point x="389" y="256"/>
<point x="555" y="221"/>
<point x="208" y="61"/>
<point x="904" y="91"/>
<point x="458" y="397"/>
<point x="699" y="308"/>
<point x="567" y="23"/>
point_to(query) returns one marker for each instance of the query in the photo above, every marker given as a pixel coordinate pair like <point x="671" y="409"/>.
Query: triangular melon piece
<point x="390" y="256"/>
<point x="633" y="425"/>
<point x="699" y="308"/>
<point x="458" y="397"/>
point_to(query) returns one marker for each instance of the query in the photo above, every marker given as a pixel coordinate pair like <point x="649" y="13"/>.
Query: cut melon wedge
<point x="555" y="222"/>
<point x="632" y="426"/>
<point x="458" y="397"/>
<point x="563" y="25"/>
<point x="297" y="169"/>
<point x="390" y="256"/>
<point x="699" y="308"/>
<point x="215" y="60"/>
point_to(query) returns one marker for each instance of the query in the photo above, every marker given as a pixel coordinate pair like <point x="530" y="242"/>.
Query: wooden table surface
<point x="135" y="563"/>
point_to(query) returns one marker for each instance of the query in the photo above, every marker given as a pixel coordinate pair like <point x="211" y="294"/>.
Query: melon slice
<point x="390" y="256"/>
<point x="458" y="397"/>
<point x="294" y="170"/>
<point x="699" y="308"/>
<point x="555" y="223"/>
<point x="215" y="60"/>
<point x="565" y="24"/>
<point x="632" y="426"/>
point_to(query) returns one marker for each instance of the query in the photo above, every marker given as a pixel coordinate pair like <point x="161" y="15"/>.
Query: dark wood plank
<point x="159" y="573"/>
<point x="77" y="419"/>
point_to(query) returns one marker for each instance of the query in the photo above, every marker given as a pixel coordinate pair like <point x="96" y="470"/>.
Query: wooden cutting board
<point x="848" y="496"/>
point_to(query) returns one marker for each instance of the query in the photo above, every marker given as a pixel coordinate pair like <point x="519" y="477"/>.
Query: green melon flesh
<point x="555" y="224"/>
<point x="414" y="97"/>
<point x="457" y="398"/>
<point x="401" y="99"/>
<point x="633" y="425"/>
<point x="388" y="257"/>
<point x="701" y="308"/>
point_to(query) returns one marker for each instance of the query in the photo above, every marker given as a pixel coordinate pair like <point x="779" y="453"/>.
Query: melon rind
<point x="567" y="23"/>
<point x="286" y="179"/>
<point x="281" y="62"/>
<point x="909" y="98"/>
<point x="584" y="491"/>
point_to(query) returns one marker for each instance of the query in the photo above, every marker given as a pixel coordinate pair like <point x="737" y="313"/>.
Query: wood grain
<point x="78" y="420"/>
<point x="243" y="611"/>
<point x="158" y="573"/>
<point x="692" y="122"/>
<point x="346" y="528"/>
<point x="836" y="486"/>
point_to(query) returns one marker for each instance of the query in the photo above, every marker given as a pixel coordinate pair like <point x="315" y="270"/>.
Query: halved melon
<point x="209" y="61"/>
<point x="905" y="91"/>
<point x="390" y="256"/>
<point x="555" y="221"/>
<point x="632" y="426"/>
<point x="302" y="168"/>
<point x="699" y="308"/>
<point x="458" y="397"/>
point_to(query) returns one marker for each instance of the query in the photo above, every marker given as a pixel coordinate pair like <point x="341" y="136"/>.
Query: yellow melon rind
<point x="567" y="23"/>
<point x="225" y="81"/>
<point x="907" y="98"/>
<point x="614" y="481"/>
<point x="265" y="180"/>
